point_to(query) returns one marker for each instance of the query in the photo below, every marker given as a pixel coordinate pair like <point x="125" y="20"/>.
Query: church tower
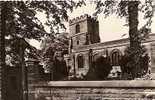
<point x="84" y="30"/>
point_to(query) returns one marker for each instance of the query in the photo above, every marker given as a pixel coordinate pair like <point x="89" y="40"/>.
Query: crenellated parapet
<point x="81" y="18"/>
<point x="84" y="30"/>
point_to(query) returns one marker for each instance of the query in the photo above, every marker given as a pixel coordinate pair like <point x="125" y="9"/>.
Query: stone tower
<point x="84" y="30"/>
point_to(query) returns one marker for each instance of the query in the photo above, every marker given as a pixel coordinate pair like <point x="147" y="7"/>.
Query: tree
<point x="59" y="70"/>
<point x="22" y="22"/>
<point x="50" y="45"/>
<point x="129" y="9"/>
<point x="126" y="63"/>
<point x="2" y="52"/>
<point x="19" y="22"/>
<point x="100" y="69"/>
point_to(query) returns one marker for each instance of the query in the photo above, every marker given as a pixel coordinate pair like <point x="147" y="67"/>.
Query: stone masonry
<point x="94" y="90"/>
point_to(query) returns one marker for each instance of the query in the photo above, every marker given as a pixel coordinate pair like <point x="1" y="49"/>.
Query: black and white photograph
<point x="77" y="50"/>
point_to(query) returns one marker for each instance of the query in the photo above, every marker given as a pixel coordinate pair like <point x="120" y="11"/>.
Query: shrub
<point x="99" y="70"/>
<point x="136" y="66"/>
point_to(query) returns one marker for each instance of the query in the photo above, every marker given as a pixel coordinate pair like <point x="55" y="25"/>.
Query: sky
<point x="110" y="28"/>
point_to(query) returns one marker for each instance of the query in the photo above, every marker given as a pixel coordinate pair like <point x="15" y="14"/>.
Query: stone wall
<point x="153" y="58"/>
<point x="79" y="40"/>
<point x="91" y="90"/>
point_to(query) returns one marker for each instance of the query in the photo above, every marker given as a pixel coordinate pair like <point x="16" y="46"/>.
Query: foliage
<point x="99" y="70"/>
<point x="21" y="21"/>
<point x="128" y="64"/>
<point x="52" y="44"/>
<point x="14" y="48"/>
<point x="56" y="11"/>
<point x="129" y="9"/>
<point x="21" y="24"/>
<point x="59" y="69"/>
<point x="120" y="8"/>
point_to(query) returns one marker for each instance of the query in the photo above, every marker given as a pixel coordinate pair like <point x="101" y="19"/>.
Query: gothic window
<point x="77" y="28"/>
<point x="80" y="61"/>
<point x="115" y="57"/>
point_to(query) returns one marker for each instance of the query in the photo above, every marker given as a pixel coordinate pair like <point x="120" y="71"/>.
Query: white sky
<point x="110" y="28"/>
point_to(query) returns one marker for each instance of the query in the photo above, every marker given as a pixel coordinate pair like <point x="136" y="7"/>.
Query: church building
<point x="85" y="46"/>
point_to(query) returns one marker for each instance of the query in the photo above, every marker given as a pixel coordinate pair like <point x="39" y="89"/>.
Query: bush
<point x="99" y="70"/>
<point x="134" y="64"/>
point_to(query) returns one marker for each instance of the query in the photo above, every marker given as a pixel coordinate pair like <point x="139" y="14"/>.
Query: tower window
<point x="77" y="28"/>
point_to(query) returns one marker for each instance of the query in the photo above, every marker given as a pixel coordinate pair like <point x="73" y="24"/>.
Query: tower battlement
<point x="80" y="18"/>
<point x="84" y="30"/>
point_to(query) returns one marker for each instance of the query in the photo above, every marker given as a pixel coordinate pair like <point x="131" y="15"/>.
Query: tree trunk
<point x="133" y="23"/>
<point x="135" y="43"/>
<point x="2" y="51"/>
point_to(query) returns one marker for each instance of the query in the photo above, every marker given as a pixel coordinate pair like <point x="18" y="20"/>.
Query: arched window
<point x="77" y="28"/>
<point x="80" y="61"/>
<point x="115" y="57"/>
